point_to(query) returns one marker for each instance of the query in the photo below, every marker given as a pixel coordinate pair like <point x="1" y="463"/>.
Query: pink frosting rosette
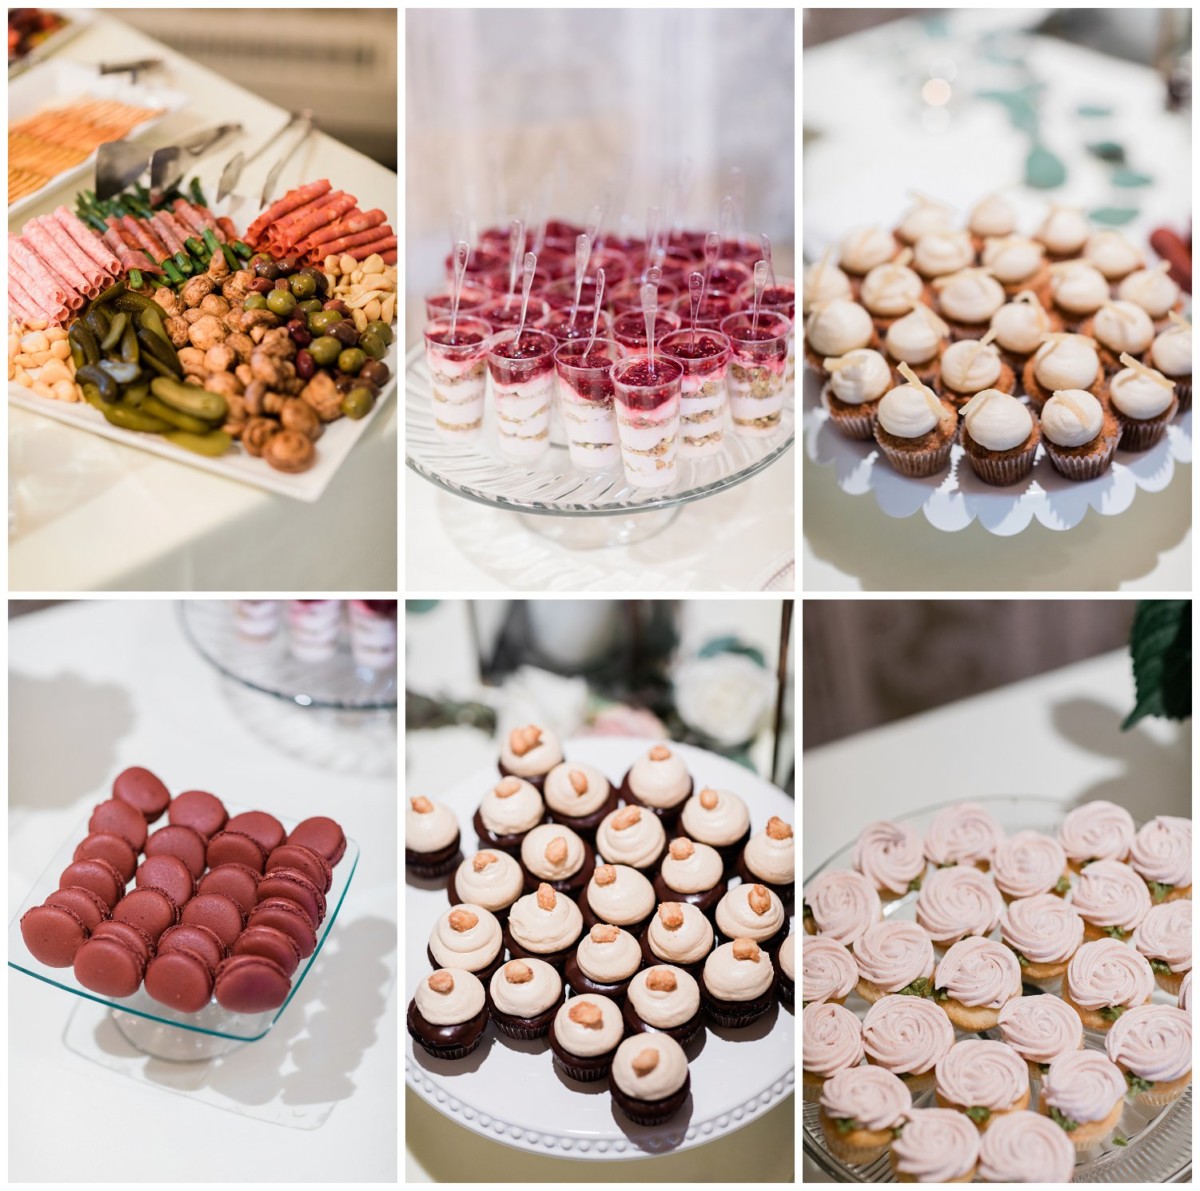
<point x="1110" y="895"/>
<point x="872" y="1096"/>
<point x="937" y="1145"/>
<point x="894" y="954"/>
<point x="962" y="834"/>
<point x="1040" y="1028"/>
<point x="976" y="1073"/>
<point x="979" y="973"/>
<point x="1025" y="1147"/>
<point x="1027" y="864"/>
<point x="843" y="904"/>
<point x="832" y="1039"/>
<point x="1165" y="934"/>
<point x="830" y="972"/>
<point x="958" y="901"/>
<point x="1043" y="929"/>
<point x="890" y="856"/>
<point x="1185" y="994"/>
<point x="1096" y="831"/>
<point x="1083" y="1085"/>
<point x="1153" y="1042"/>
<point x="1106" y="973"/>
<point x="906" y="1035"/>
<point x="1162" y="852"/>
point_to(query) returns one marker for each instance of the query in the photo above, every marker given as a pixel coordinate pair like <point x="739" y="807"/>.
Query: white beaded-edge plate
<point x="509" y="1090"/>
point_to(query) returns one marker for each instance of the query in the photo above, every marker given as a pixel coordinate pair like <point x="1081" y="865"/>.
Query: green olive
<point x="255" y="302"/>
<point x="358" y="403"/>
<point x="325" y="350"/>
<point x="309" y="306"/>
<point x="351" y="360"/>
<point x="302" y="285"/>
<point x="381" y="329"/>
<point x="372" y="345"/>
<point x="320" y="322"/>
<point x="280" y="302"/>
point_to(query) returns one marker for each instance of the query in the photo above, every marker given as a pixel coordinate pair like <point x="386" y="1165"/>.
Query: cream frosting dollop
<point x="1106" y="974"/>
<point x="1025" y="1147"/>
<point x="510" y="813"/>
<point x="697" y="872"/>
<point x="1165" y="935"/>
<point x="890" y="855"/>
<point x="970" y="296"/>
<point x="977" y="1073"/>
<point x="1171" y="352"/>
<point x="1078" y="288"/>
<point x="894" y="954"/>
<point x="1162" y="851"/>
<point x="1040" y="1028"/>
<point x="862" y="248"/>
<point x="1083" y="1085"/>
<point x="980" y="973"/>
<point x="1152" y="289"/>
<point x="938" y="253"/>
<point x="1109" y="894"/>
<point x="722" y="823"/>
<point x="863" y="376"/>
<point x="909" y="411"/>
<point x="1140" y="397"/>
<point x="609" y="961"/>
<point x="539" y="852"/>
<point x="843" y="905"/>
<point x="1071" y="418"/>
<point x="1063" y="231"/>
<point x="1043" y="928"/>
<point x="455" y="944"/>
<point x="833" y="1039"/>
<point x="870" y="1095"/>
<point x="1185" y="994"/>
<point x="637" y="1077"/>
<point x="924" y="217"/>
<point x="525" y="998"/>
<point x="563" y="794"/>
<point x="822" y="283"/>
<point x="531" y="751"/>
<point x="452" y="1006"/>
<point x="906" y="1035"/>
<point x="688" y="943"/>
<point x="1066" y="362"/>
<point x="732" y="977"/>
<point x="1123" y="327"/>
<point x="544" y="930"/>
<point x="891" y="289"/>
<point x="587" y="1041"/>
<point x="838" y="327"/>
<point x="738" y="918"/>
<point x="1021" y="324"/>
<point x="997" y="421"/>
<point x="1153" y="1042"/>
<point x="937" y="1145"/>
<point x="660" y="778"/>
<point x="964" y="832"/>
<point x="1013" y="259"/>
<point x="431" y="827"/>
<point x="957" y="901"/>
<point x="1097" y="830"/>
<point x="993" y="215"/>
<point x="1112" y="254"/>
<point x="627" y="899"/>
<point x="637" y="842"/>
<point x="665" y="1008"/>
<point x="771" y="858"/>
<point x="787" y="957"/>
<point x="1028" y="863"/>
<point x="969" y="366"/>
<point x="495" y="884"/>
<point x="830" y="971"/>
<point x="915" y="338"/>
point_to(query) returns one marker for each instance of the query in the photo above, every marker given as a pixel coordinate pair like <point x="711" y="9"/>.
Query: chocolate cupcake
<point x="691" y="873"/>
<point x="578" y="796"/>
<point x="659" y="781"/>
<point x="786" y="972"/>
<point x="556" y="855"/>
<point x="467" y="937"/>
<point x="632" y="836"/>
<point x="431" y="838"/>
<point x="584" y="1037"/>
<point x="752" y="912"/>
<point x="650" y="1078"/>
<point x="493" y="880"/>
<point x="769" y="858"/>
<point x="618" y="895"/>
<point x="525" y="995"/>
<point x="719" y="819"/>
<point x="448" y="1013"/>
<point x="543" y="925"/>
<point x="738" y="984"/>
<point x="509" y="811"/>
<point x="678" y="934"/>
<point x="604" y="962"/>
<point x="667" y="999"/>
<point x="530" y="753"/>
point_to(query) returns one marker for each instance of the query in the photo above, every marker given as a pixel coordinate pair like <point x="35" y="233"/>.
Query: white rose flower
<point x="726" y="697"/>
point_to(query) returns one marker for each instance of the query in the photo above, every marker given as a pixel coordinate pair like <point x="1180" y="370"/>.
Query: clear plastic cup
<point x="458" y="375"/>
<point x="647" y="397"/>
<point x="714" y="308"/>
<point x="702" y="406"/>
<point x="758" y="370"/>
<point x="505" y="312"/>
<point x="779" y="298"/>
<point x="560" y="294"/>
<point x="563" y="327"/>
<point x="629" y="329"/>
<point x="586" y="401"/>
<point x="523" y="386"/>
<point x="470" y="301"/>
<point x="628" y="296"/>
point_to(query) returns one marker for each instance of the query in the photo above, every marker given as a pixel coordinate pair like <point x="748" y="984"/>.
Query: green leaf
<point x="918" y="988"/>
<point x="1113" y="216"/>
<point x="1129" y="179"/>
<point x="1044" y="170"/>
<point x="1063" y="1122"/>
<point x="1137" y="1083"/>
<point x="1107" y="151"/>
<point x="914" y="885"/>
<point x="940" y="994"/>
<point x="846" y="1124"/>
<point x="1116" y="932"/>
<point x="719" y="645"/>
<point x="807" y="910"/>
<point x="1064" y="884"/>
<point x="420" y="605"/>
<point x="1043" y="1067"/>
<point x="1161" y="966"/>
<point x="1120" y="1140"/>
<point x="979" y="1114"/>
<point x="1022" y="960"/>
<point x="1112" y="1012"/>
<point x="1159" y="891"/>
<point x="1161" y="648"/>
<point x="1094" y="109"/>
<point x="897" y="1130"/>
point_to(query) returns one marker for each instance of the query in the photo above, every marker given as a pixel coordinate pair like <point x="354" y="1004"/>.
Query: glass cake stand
<point x="1158" y="1145"/>
<point x="579" y="509"/>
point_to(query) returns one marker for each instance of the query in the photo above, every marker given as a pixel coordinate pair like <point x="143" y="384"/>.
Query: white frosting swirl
<point x="992" y="216"/>
<point x="1019" y="326"/>
<point x="1112" y="254"/>
<point x="1078" y="289"/>
<point x="906" y="1035"/>
<point x="536" y="845"/>
<point x="494" y="886"/>
<point x="1152" y="289"/>
<point x="938" y="253"/>
<point x="938" y="1145"/>
<point x="894" y="954"/>
<point x="822" y="283"/>
<point x="1083" y="1085"/>
<point x="660" y="781"/>
<point x="916" y="337"/>
<point x="737" y="919"/>
<point x="771" y="859"/>
<point x="838" y="327"/>
<point x="697" y="873"/>
<point x="513" y="813"/>
<point x="664" y="1009"/>
<point x="429" y="830"/>
<point x="1013" y="259"/>
<point x="639" y="844"/>
<point x="1044" y="929"/>
<point x="832" y="1038"/>
<point x="718" y="825"/>
<point x="1071" y="418"/>
<point x="589" y="1041"/>
<point x="1104" y="974"/>
<point x="958" y="901"/>
<point x="865" y="376"/>
<point x="562" y="797"/>
<point x="529" y="997"/>
<point x="1162" y="851"/>
<point x="1025" y="1147"/>
<point x="628" y="899"/>
<point x="909" y="412"/>
<point x="970" y="296"/>
<point x="979" y="973"/>
<point x="1028" y="863"/>
<point x="891" y="290"/>
<point x="1096" y="830"/>
<point x="977" y="1073"/>
<point x="964" y="832"/>
<point x="1069" y="362"/>
<point x="787" y="957"/>
<point x="471" y="948"/>
<point x="830" y="971"/>
<point x="890" y="855"/>
<point x="871" y="1096"/>
<point x="461" y="1003"/>
<point x="968" y="366"/>
<point x="1063" y="231"/>
<point x="732" y="979"/>
<point x="862" y="248"/>
<point x="1040" y="1028"/>
<point x="1139" y="397"/>
<point x="544" y="931"/>
<point x="923" y="218"/>
<point x="609" y="962"/>
<point x="1123" y="327"/>
<point x="1111" y="895"/>
<point x="686" y="944"/>
<point x="1165" y="935"/>
<point x="539" y="760"/>
<point x="1185" y="994"/>
<point x="843" y="904"/>
<point x="1153" y="1042"/>
<point x="664" y="1079"/>
<point x="1171" y="353"/>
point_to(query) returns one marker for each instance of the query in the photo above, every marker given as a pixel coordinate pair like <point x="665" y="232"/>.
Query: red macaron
<point x="190" y="846"/>
<point x="295" y="886"/>
<point x="150" y="909"/>
<point x="260" y="826"/>
<point x="53" y="934"/>
<point x="283" y="914"/>
<point x="251" y="984"/>
<point x="106" y="965"/>
<point x="169" y="874"/>
<point x="107" y="845"/>
<point x="180" y="979"/>
<point x="121" y="819"/>
<point x="131" y="936"/>
<point x="143" y="790"/>
<point x="199" y="810"/>
<point x="219" y="913"/>
<point x="236" y="881"/>
<point x="272" y="944"/>
<point x="314" y="866"/>
<point x="322" y="835"/>
<point x="97" y="875"/>
<point x="187" y="936"/>
<point x="236" y="847"/>
<point x="82" y="902"/>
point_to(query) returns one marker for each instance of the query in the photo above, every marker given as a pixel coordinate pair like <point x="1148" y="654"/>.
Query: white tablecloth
<point x="95" y="687"/>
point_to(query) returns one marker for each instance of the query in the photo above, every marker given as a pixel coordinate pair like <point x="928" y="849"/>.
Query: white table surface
<point x="95" y="687"/>
<point x="91" y="515"/>
<point x="1068" y="746"/>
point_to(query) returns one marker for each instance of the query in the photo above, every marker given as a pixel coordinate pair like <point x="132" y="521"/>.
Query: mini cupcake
<point x="958" y="901"/>
<point x="666" y="999"/>
<point x="1080" y="434"/>
<point x="618" y="895"/>
<point x="543" y="925"/>
<point x="1097" y="830"/>
<point x="1152" y="1046"/>
<point x="936" y="254"/>
<point x="891" y="857"/>
<point x="493" y="880"/>
<point x="830" y="971"/>
<point x="833" y="1041"/>
<point x="1083" y="1093"/>
<point x="893" y="957"/>
<point x="660" y="782"/>
<point x="917" y="340"/>
<point x="584" y="1036"/>
<point x="578" y="796"/>
<point x="469" y="939"/>
<point x="1113" y="255"/>
<point x="1185" y="994"/>
<point x="841" y="904"/>
<point x="1104" y="979"/>
<point x="1062" y="362"/>
<point x="834" y="329"/>
<point x="1044" y="933"/>
<point x="650" y="1079"/>
<point x="1025" y="1147"/>
<point x="964" y="833"/>
<point x="863" y="249"/>
<point x="1171" y="354"/>
<point x="970" y="366"/>
<point x="1064" y="232"/>
<point x="1144" y="401"/>
<point x="966" y="300"/>
<point x="691" y="873"/>
<point x="823" y="282"/>
<point x="525" y="996"/>
<point x="991" y="217"/>
<point x="1040" y="1029"/>
<point x="860" y="1109"/>
<point x="1164" y="937"/>
<point x="786" y="971"/>
<point x="431" y="838"/>
<point x="678" y="934"/>
<point x="769" y="858"/>
<point x="1161" y="854"/>
<point x="604" y="962"/>
<point x="891" y="291"/>
<point x="738" y="984"/>
<point x="1119" y="327"/>
<point x="975" y="979"/>
<point x="721" y="820"/>
<point x="1029" y="863"/>
<point x="1155" y="292"/>
<point x="906" y="1035"/>
<point x="633" y="837"/>
<point x="914" y="428"/>
<point x="852" y="393"/>
<point x="925" y="216"/>
<point x="1020" y="327"/>
<point x="752" y="912"/>
<point x="1073" y="292"/>
<point x="984" y="1080"/>
<point x="1000" y="437"/>
<point x="530" y="753"/>
<point x="448" y="1014"/>
<point x="1111" y="899"/>
<point x="509" y="811"/>
<point x="1016" y="262"/>
<point x="558" y="856"/>
<point x="935" y="1145"/>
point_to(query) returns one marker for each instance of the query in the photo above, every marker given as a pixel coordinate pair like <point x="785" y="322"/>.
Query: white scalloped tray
<point x="953" y="499"/>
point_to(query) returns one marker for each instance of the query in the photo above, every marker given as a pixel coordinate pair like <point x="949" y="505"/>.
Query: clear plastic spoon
<point x="712" y="250"/>
<point x="462" y="253"/>
<point x="583" y="254"/>
<point x="651" y="239"/>
<point x="696" y="293"/>
<point x="760" y="283"/>
<point x="526" y="286"/>
<point x="650" y="312"/>
<point x="595" y="317"/>
<point x="765" y="243"/>
<point x="516" y="245"/>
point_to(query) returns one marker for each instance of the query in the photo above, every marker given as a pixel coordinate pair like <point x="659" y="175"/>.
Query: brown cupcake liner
<point x="1141" y="434"/>
<point x="1004" y="467"/>
<point x="1083" y="466"/>
<point x="1038" y="396"/>
<point x="1110" y="360"/>
<point x="916" y="462"/>
<point x="1183" y="391"/>
<point x="851" y="421"/>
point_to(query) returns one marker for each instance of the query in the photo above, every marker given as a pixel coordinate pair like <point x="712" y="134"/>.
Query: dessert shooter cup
<point x="628" y="296"/>
<point x="560" y="325"/>
<point x="586" y="395"/>
<point x="757" y="370"/>
<point x="523" y="385"/>
<point x="505" y="311"/>
<point x="779" y="298"/>
<point x="713" y="309"/>
<point x="629" y="329"/>
<point x="702" y="401"/>
<point x="458" y="375"/>
<point x="470" y="301"/>
<point x="647" y="395"/>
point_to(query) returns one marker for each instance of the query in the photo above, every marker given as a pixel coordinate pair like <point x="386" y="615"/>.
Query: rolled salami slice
<point x="38" y="277"/>
<point x="129" y="258"/>
<point x="355" y="221"/>
<point x="167" y="233"/>
<point x="85" y="238"/>
<point x="226" y="232"/>
<point x="137" y="233"/>
<point x="292" y="233"/>
<point x="91" y="271"/>
<point x="179" y="230"/>
<point x="350" y="243"/>
<point x="39" y="239"/>
<point x="21" y="303"/>
<point x="290" y="202"/>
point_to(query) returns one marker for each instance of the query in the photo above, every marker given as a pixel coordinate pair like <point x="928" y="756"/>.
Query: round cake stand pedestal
<point x="598" y="533"/>
<point x="163" y="1041"/>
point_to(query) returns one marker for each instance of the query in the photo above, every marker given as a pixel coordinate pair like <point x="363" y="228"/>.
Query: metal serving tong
<point x="308" y="126"/>
<point x="121" y="163"/>
<point x="168" y="165"/>
<point x="238" y="162"/>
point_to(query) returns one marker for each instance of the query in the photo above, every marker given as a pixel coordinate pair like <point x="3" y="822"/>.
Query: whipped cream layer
<point x="461" y="1002"/>
<point x="474" y="946"/>
<point x="1111" y="895"/>
<point x="1097" y="830"/>
<point x="1025" y="1147"/>
<point x="1162" y="851"/>
<point x="525" y="998"/>
<point x="1028" y="863"/>
<point x="608" y="961"/>
<point x="573" y="788"/>
<point x="660" y="778"/>
<point x="1040" y="1028"/>
<point x="980" y="973"/>
<point x="686" y="944"/>
<point x="627" y="899"/>
<point x="430" y="828"/>
<point x="1165" y="934"/>
<point x="665" y="1008"/>
<point x="642" y="1080"/>
<point x="506" y="813"/>
<point x="492" y="885"/>
<point x="544" y="931"/>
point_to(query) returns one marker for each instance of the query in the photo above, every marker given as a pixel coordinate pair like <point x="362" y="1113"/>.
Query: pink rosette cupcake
<point x="830" y="972"/>
<point x="1103" y="980"/>
<point x="1161" y="854"/>
<point x="974" y="981"/>
<point x="1044" y="932"/>
<point x="907" y="1035"/>
<point x="1024" y="1147"/>
<point x="842" y="904"/>
<point x="982" y="1079"/>
<point x="1083" y="1094"/>
<point x="859" y="1109"/>
<point x="1030" y="863"/>
<point x="1164" y="937"/>
<point x="833" y="1041"/>
<point x="894" y="957"/>
<point x="1153" y="1048"/>
<point x="1185" y="994"/>
<point x="963" y="834"/>
<point x="936" y="1145"/>
<point x="1111" y="899"/>
<point x="891" y="857"/>
<point x="1096" y="831"/>
<point x="958" y="901"/>
<point x="1040" y="1029"/>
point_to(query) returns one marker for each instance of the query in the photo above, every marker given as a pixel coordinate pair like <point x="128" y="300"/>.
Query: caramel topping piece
<point x="507" y="787"/>
<point x="681" y="848"/>
<point x="746" y="949"/>
<point x="579" y="781"/>
<point x="670" y="914"/>
<point x="661" y="980"/>
<point x="626" y="817"/>
<point x="517" y="971"/>
<point x="645" y="1061"/>
<point x="482" y="859"/>
<point x="556" y="850"/>
<point x="523" y="740"/>
<point x="778" y="829"/>
<point x="603" y="933"/>
<point x="586" y="1014"/>
<point x="547" y="899"/>
<point x="441" y="982"/>
<point x="660" y="752"/>
<point x="461" y="919"/>
<point x="605" y="874"/>
<point x="708" y="799"/>
<point x="421" y="804"/>
<point x="759" y="899"/>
